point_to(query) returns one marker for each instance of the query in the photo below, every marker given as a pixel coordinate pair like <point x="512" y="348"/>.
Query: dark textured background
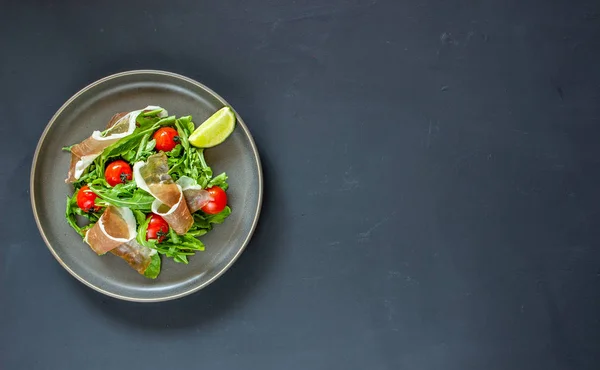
<point x="432" y="184"/>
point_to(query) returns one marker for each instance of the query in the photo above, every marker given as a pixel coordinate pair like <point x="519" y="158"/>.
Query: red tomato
<point x="86" y="200"/>
<point x="158" y="228"/>
<point x="166" y="139"/>
<point x="218" y="201"/>
<point x="118" y="172"/>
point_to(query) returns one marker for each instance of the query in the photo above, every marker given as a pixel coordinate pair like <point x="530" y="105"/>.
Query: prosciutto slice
<point x="120" y="126"/>
<point x="137" y="256"/>
<point x="195" y="196"/>
<point x="170" y="203"/>
<point x="115" y="227"/>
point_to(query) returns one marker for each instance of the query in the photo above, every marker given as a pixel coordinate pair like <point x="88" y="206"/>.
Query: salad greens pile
<point x="183" y="160"/>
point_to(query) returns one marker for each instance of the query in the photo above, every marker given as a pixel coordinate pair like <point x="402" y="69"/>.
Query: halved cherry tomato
<point x="86" y="200"/>
<point x="166" y="139"/>
<point x="218" y="201"/>
<point x="158" y="228"/>
<point x="118" y="172"/>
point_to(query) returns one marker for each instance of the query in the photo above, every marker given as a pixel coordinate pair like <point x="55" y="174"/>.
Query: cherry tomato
<point x="158" y="228"/>
<point x="166" y="139"/>
<point x="118" y="172"/>
<point x="86" y="200"/>
<point x="218" y="201"/>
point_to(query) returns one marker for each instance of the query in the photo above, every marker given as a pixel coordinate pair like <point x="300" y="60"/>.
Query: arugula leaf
<point x="152" y="112"/>
<point x="183" y="137"/>
<point x="93" y="217"/>
<point x="144" y="122"/>
<point x="150" y="145"/>
<point x="140" y="217"/>
<point x="165" y="121"/>
<point x="141" y="235"/>
<point x="220" y="181"/>
<point x="205" y="168"/>
<point x="192" y="243"/>
<point x="119" y="196"/>
<point x="173" y="235"/>
<point x="204" y="221"/>
<point x="219" y="217"/>
<point x="70" y="215"/>
<point x="141" y="148"/>
<point x="181" y="259"/>
<point x="153" y="269"/>
<point x="175" y="152"/>
<point x="187" y="124"/>
<point x="197" y="232"/>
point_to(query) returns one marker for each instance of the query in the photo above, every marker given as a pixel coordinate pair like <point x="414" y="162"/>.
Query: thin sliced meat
<point x="115" y="227"/>
<point x="195" y="196"/>
<point x="116" y="118"/>
<point x="153" y="177"/>
<point x="177" y="216"/>
<point x="119" y="126"/>
<point x="170" y="203"/>
<point x="137" y="256"/>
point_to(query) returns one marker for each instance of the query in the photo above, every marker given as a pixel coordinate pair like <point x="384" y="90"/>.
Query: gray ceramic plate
<point x="89" y="110"/>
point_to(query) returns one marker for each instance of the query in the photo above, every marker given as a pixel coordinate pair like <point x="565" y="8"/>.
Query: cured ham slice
<point x="115" y="227"/>
<point x="137" y="256"/>
<point x="195" y="196"/>
<point x="177" y="216"/>
<point x="170" y="203"/>
<point x="120" y="126"/>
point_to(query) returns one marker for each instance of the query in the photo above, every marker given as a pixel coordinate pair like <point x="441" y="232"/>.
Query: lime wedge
<point x="214" y="130"/>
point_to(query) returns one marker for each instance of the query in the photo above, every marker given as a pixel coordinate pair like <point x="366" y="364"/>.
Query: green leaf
<point x="220" y="181"/>
<point x="182" y="136"/>
<point x="141" y="235"/>
<point x="67" y="148"/>
<point x="181" y="259"/>
<point x="173" y="236"/>
<point x="175" y="152"/>
<point x="140" y="216"/>
<point x="119" y="196"/>
<point x="187" y="124"/>
<point x="205" y="168"/>
<point x="192" y="243"/>
<point x="175" y="167"/>
<point x="153" y="269"/>
<point x="197" y="233"/>
<point x="166" y="121"/>
<point x="71" y="219"/>
<point x="204" y="221"/>
<point x="219" y="217"/>
<point x="154" y="112"/>
<point x="150" y="145"/>
<point x="141" y="147"/>
<point x="145" y="122"/>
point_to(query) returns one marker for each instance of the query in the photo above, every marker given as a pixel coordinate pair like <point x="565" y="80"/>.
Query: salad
<point x="145" y="188"/>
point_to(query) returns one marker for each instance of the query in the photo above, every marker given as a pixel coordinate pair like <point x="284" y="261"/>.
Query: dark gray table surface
<point x="432" y="189"/>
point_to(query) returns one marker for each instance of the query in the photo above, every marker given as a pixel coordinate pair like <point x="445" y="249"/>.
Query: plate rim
<point x="240" y="123"/>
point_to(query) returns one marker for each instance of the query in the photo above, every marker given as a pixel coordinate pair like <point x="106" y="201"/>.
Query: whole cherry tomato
<point x="118" y="172"/>
<point x="218" y="201"/>
<point x="166" y="139"/>
<point x="158" y="228"/>
<point x="86" y="200"/>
